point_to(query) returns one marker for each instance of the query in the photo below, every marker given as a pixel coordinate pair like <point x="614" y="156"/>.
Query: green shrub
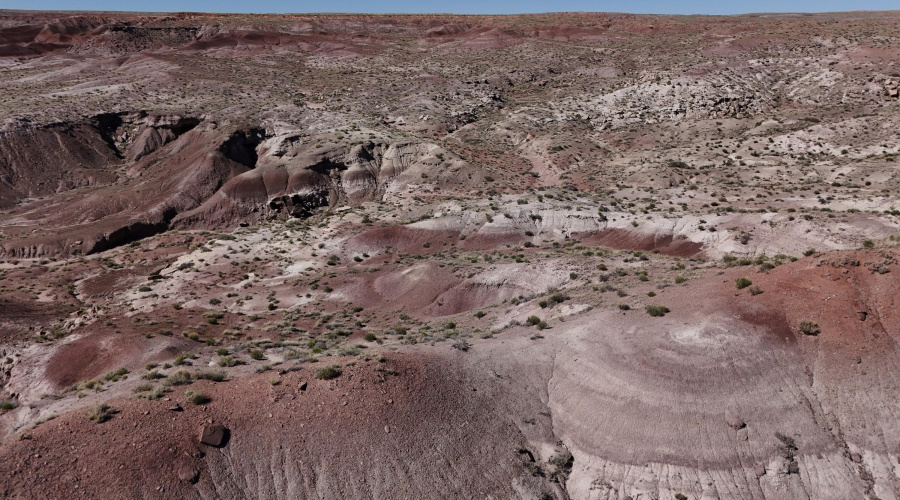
<point x="214" y="375"/>
<point x="225" y="361"/>
<point x="116" y="375"/>
<point x="100" y="413"/>
<point x="532" y="321"/>
<point x="181" y="377"/>
<point x="657" y="311"/>
<point x="153" y="375"/>
<point x="809" y="328"/>
<point x="741" y="283"/>
<point x="197" y="398"/>
<point x="328" y="372"/>
<point x="370" y="337"/>
<point x="624" y="307"/>
<point x="256" y="354"/>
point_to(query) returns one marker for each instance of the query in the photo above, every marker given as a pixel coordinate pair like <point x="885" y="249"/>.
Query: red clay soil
<point x="665" y="244"/>
<point x="401" y="240"/>
<point x="109" y="283"/>
<point x="411" y="427"/>
<point x="409" y="289"/>
<point x="94" y="355"/>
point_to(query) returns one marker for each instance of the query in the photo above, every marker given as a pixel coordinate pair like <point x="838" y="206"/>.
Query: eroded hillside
<point x="584" y="256"/>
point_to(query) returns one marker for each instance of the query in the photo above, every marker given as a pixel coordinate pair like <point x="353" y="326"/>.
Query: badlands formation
<point x="561" y="256"/>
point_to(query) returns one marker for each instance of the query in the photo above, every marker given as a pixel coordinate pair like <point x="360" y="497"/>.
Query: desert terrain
<point x="557" y="256"/>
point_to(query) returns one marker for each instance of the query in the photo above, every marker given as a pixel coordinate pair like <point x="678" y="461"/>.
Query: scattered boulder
<point x="862" y="315"/>
<point x="214" y="435"/>
<point x="736" y="423"/>
<point x="188" y="473"/>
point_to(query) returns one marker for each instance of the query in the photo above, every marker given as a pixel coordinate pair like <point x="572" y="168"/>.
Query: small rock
<point x="188" y="473"/>
<point x="387" y="429"/>
<point x="862" y="315"/>
<point x="303" y="386"/>
<point x="856" y="457"/>
<point x="760" y="470"/>
<point x="177" y="407"/>
<point x="736" y="423"/>
<point x="213" y="435"/>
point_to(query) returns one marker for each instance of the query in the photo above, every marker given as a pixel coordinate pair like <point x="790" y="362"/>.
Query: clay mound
<point x="407" y="429"/>
<point x="665" y="244"/>
<point x="36" y="40"/>
<point x="295" y="180"/>
<point x="409" y="289"/>
<point x="671" y="387"/>
<point x="110" y="283"/>
<point x="96" y="354"/>
<point x="469" y="296"/>
<point x="489" y="240"/>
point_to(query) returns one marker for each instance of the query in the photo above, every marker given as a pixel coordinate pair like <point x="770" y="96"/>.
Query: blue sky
<point x="460" y="6"/>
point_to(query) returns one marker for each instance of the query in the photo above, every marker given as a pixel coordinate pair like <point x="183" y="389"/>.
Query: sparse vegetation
<point x="657" y="311"/>
<point x="328" y="372"/>
<point x="196" y="398"/>
<point x="100" y="413"/>
<point x="808" y="328"/>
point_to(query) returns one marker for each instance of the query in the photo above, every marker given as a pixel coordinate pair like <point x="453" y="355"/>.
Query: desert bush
<point x="742" y="283"/>
<point x="197" y="398"/>
<point x="116" y="375"/>
<point x="153" y="375"/>
<point x="181" y="377"/>
<point x="214" y="375"/>
<point x="657" y="311"/>
<point x="328" y="372"/>
<point x="809" y="328"/>
<point x="226" y="361"/>
<point x="100" y="413"/>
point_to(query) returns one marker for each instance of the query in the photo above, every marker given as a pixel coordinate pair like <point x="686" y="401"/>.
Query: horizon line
<point x="324" y="13"/>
